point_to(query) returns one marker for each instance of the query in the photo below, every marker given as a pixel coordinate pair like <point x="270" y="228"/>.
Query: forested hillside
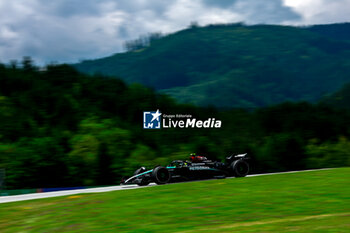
<point x="339" y="99"/>
<point x="339" y="31"/>
<point x="59" y="127"/>
<point x="236" y="65"/>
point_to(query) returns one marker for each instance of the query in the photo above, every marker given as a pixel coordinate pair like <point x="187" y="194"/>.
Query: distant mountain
<point x="339" y="99"/>
<point x="237" y="65"/>
<point x="339" y="31"/>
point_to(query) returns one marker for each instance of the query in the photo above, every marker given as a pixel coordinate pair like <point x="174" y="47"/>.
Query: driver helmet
<point x="192" y="156"/>
<point x="196" y="158"/>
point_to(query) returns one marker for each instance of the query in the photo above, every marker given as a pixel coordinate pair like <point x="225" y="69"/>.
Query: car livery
<point x="198" y="168"/>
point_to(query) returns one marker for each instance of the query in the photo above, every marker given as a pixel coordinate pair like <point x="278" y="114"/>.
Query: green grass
<point x="314" y="201"/>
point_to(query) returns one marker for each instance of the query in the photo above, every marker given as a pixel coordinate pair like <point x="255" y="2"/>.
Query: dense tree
<point x="59" y="127"/>
<point x="328" y="154"/>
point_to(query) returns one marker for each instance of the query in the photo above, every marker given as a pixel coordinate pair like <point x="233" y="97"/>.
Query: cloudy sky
<point x="71" y="30"/>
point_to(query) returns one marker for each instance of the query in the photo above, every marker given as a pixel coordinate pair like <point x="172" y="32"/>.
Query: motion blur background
<point x="280" y="91"/>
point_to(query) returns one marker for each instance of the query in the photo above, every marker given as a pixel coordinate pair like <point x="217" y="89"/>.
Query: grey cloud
<point x="157" y="6"/>
<point x="272" y="11"/>
<point x="67" y="8"/>
<point x="123" y="31"/>
<point x="255" y="11"/>
<point x="221" y="3"/>
<point x="69" y="30"/>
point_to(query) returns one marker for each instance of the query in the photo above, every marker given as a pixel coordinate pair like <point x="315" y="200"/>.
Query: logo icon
<point x="151" y="120"/>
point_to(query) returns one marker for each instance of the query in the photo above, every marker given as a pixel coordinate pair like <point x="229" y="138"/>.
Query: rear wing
<point x="233" y="157"/>
<point x="241" y="155"/>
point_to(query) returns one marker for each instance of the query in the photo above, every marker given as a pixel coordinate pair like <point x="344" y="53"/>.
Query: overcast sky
<point x="71" y="30"/>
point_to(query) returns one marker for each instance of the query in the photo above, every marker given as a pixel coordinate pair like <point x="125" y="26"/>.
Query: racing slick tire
<point x="239" y="168"/>
<point x="161" y="175"/>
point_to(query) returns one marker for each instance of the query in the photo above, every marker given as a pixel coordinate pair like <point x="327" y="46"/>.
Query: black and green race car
<point x="197" y="168"/>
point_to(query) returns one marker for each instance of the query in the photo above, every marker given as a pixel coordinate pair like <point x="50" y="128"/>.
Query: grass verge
<point x="314" y="201"/>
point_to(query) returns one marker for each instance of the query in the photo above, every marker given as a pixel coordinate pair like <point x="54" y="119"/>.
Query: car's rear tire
<point x="160" y="175"/>
<point x="239" y="168"/>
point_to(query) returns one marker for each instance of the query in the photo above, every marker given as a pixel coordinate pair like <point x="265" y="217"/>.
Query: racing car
<point x="197" y="168"/>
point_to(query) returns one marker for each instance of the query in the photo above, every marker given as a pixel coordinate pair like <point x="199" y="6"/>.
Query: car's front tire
<point x="161" y="175"/>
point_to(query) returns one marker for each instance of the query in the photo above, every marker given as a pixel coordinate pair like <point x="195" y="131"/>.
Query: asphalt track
<point x="32" y="196"/>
